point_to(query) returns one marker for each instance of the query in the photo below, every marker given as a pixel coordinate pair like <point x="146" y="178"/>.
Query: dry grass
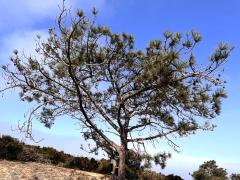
<point x="35" y="171"/>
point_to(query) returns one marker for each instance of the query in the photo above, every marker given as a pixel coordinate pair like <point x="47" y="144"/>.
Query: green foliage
<point x="150" y="175"/>
<point x="105" y="167"/>
<point x="98" y="77"/>
<point x="93" y="164"/>
<point x="137" y="164"/>
<point x="173" y="177"/>
<point x="82" y="163"/>
<point x="10" y="148"/>
<point x="210" y="171"/>
<point x="133" y="164"/>
<point x="77" y="162"/>
<point x="29" y="154"/>
<point x="53" y="155"/>
<point x="235" y="177"/>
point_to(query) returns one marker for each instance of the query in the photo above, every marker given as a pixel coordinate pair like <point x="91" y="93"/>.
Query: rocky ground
<point x="10" y="170"/>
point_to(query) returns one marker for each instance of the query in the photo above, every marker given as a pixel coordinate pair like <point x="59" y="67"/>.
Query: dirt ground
<point x="10" y="170"/>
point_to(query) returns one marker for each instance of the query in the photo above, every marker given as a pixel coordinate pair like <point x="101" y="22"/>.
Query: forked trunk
<point x="122" y="164"/>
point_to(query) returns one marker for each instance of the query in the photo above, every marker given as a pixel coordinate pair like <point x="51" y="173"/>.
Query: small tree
<point x="10" y="148"/>
<point x="210" y="171"/>
<point x="235" y="177"/>
<point x="96" y="76"/>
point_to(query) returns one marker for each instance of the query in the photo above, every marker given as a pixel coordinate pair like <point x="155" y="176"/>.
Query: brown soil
<point x="10" y="170"/>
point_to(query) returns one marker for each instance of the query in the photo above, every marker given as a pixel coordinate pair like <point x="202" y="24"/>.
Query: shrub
<point x="77" y="163"/>
<point x="93" y="165"/>
<point x="173" y="177"/>
<point x="105" y="167"/>
<point x="209" y="170"/>
<point x="150" y="175"/>
<point x="53" y="155"/>
<point x="10" y="148"/>
<point x="29" y="154"/>
<point x="235" y="177"/>
<point x="134" y="168"/>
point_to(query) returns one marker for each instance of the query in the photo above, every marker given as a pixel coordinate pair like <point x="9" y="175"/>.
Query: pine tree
<point x="99" y="78"/>
<point x="209" y="171"/>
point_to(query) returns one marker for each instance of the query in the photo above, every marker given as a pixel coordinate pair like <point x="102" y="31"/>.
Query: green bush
<point x="173" y="177"/>
<point x="134" y="168"/>
<point x="82" y="163"/>
<point x="77" y="163"/>
<point x="105" y="167"/>
<point x="53" y="155"/>
<point x="235" y="177"/>
<point x="209" y="170"/>
<point x="150" y="175"/>
<point x="29" y="154"/>
<point x="93" y="165"/>
<point x="10" y="148"/>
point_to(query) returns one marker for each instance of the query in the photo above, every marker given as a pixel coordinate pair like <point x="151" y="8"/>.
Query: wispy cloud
<point x="22" y="40"/>
<point x="28" y="14"/>
<point x="25" y="13"/>
<point x="21" y="20"/>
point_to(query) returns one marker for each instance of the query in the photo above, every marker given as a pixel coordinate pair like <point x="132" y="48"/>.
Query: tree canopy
<point x="210" y="171"/>
<point x="235" y="176"/>
<point x="122" y="96"/>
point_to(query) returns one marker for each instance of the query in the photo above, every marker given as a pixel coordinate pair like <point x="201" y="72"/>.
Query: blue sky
<point x="216" y="20"/>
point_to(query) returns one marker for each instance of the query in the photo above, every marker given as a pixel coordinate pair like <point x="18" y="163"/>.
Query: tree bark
<point x="122" y="164"/>
<point x="114" y="164"/>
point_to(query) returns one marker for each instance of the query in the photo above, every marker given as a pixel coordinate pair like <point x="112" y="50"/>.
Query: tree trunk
<point x="122" y="164"/>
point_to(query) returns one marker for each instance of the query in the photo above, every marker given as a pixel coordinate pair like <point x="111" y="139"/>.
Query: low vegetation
<point x="13" y="149"/>
<point x="210" y="171"/>
<point x="10" y="148"/>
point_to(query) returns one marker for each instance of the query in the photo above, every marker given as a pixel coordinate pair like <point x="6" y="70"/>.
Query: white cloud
<point x="22" y="41"/>
<point x="19" y="21"/>
<point x="41" y="7"/>
<point x="26" y="13"/>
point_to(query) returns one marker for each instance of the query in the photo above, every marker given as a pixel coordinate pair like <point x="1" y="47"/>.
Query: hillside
<point x="22" y="161"/>
<point x="11" y="170"/>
